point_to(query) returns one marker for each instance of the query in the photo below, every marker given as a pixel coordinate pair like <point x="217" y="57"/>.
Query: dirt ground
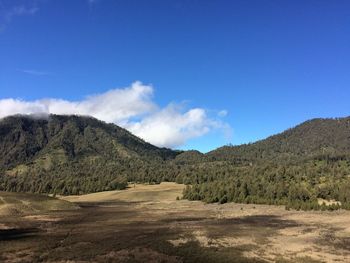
<point x="146" y="223"/>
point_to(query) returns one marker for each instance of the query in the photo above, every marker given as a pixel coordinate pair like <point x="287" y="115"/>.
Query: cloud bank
<point x="132" y="108"/>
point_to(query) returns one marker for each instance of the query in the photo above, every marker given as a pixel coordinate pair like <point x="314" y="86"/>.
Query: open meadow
<point x="145" y="223"/>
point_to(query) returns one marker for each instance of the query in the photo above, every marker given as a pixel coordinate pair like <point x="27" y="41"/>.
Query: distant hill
<point x="297" y="168"/>
<point x="53" y="152"/>
<point x="317" y="137"/>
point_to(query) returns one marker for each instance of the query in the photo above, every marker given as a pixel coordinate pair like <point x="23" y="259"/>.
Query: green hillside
<point x="298" y="168"/>
<point x="317" y="137"/>
<point x="72" y="155"/>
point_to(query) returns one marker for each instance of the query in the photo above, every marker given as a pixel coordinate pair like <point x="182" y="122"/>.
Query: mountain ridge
<point x="317" y="136"/>
<point x="34" y="134"/>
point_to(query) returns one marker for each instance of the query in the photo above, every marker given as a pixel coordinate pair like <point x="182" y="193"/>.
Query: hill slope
<point x="299" y="168"/>
<point x="72" y="154"/>
<point x="23" y="138"/>
<point x="317" y="137"/>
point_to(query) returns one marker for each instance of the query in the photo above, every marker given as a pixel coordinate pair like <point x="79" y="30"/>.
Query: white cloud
<point x="171" y="126"/>
<point x="15" y="106"/>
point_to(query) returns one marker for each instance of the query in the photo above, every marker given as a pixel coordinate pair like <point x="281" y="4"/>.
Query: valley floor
<point x="146" y="223"/>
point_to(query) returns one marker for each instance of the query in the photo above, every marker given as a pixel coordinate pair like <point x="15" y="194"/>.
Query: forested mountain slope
<point x="298" y="168"/>
<point x="23" y="138"/>
<point x="317" y="137"/>
<point x="59" y="153"/>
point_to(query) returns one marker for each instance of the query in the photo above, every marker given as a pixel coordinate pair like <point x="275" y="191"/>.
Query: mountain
<point x="317" y="137"/>
<point x="24" y="138"/>
<point x="76" y="155"/>
<point x="58" y="151"/>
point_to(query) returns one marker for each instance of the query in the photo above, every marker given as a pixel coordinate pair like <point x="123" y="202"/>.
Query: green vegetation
<point x="294" y="168"/>
<point x="76" y="155"/>
<point x="297" y="186"/>
<point x="317" y="138"/>
<point x="72" y="155"/>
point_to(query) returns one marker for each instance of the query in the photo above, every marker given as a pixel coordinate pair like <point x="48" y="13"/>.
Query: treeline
<point x="297" y="186"/>
<point x="85" y="176"/>
<point x="300" y="186"/>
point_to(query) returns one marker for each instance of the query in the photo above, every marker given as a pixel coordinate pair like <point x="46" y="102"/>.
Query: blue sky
<point x="269" y="64"/>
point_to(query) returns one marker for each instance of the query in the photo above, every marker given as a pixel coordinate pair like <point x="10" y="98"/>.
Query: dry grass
<point x="18" y="204"/>
<point x="161" y="193"/>
<point x="325" y="202"/>
<point x="304" y="237"/>
<point x="148" y="224"/>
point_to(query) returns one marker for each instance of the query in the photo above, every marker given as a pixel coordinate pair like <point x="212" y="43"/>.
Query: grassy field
<point x="17" y="204"/>
<point x="146" y="223"/>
